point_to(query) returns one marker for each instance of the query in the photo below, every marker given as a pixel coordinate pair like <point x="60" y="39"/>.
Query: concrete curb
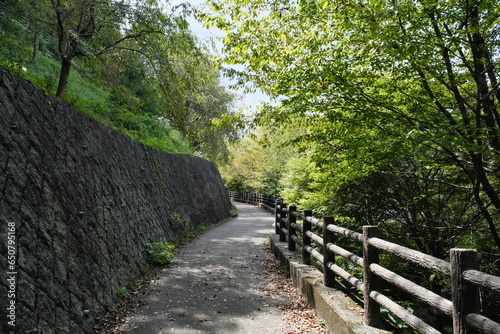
<point x="340" y="313"/>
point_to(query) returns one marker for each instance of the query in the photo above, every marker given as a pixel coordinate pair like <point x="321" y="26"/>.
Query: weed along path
<point x="216" y="284"/>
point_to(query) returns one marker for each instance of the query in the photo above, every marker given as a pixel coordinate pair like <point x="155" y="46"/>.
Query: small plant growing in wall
<point x="234" y="211"/>
<point x="176" y="219"/>
<point x="160" y="253"/>
<point x="122" y="291"/>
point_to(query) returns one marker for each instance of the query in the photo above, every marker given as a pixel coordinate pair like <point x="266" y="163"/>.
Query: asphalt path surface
<point x="216" y="284"/>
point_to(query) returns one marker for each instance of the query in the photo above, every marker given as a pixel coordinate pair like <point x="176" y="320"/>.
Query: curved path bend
<point x="216" y="285"/>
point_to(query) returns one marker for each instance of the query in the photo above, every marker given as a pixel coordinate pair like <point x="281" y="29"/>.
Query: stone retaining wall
<point x="79" y="201"/>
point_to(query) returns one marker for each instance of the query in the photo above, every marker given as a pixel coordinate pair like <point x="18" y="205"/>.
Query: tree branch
<point x="127" y="37"/>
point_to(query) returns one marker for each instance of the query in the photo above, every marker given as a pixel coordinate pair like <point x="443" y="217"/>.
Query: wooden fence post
<point x="328" y="255"/>
<point x="292" y="219"/>
<point x="371" y="281"/>
<point x="282" y="222"/>
<point x="277" y="214"/>
<point x="465" y="297"/>
<point x="306" y="226"/>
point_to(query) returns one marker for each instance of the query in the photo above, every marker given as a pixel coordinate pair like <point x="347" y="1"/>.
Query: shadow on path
<point x="217" y="284"/>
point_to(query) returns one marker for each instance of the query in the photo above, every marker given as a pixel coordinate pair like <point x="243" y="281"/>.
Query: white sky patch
<point x="213" y="39"/>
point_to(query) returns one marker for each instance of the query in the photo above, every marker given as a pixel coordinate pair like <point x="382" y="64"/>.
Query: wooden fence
<point x="263" y="200"/>
<point x="464" y="308"/>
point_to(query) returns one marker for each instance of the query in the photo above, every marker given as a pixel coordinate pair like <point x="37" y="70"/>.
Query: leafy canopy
<point x="135" y="65"/>
<point x="380" y="86"/>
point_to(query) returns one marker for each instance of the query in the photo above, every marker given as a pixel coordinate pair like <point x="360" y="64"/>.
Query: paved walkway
<point x="216" y="285"/>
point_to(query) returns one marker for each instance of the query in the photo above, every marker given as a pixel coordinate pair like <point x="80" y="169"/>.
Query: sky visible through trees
<point x="213" y="37"/>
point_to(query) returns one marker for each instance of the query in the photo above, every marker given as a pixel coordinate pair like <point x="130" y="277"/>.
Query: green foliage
<point x="402" y="327"/>
<point x="254" y="164"/>
<point x="189" y="233"/>
<point x="234" y="211"/>
<point x="122" y="291"/>
<point x="391" y="110"/>
<point x="43" y="73"/>
<point x="160" y="253"/>
<point x="383" y="99"/>
<point x="176" y="217"/>
<point x="151" y="81"/>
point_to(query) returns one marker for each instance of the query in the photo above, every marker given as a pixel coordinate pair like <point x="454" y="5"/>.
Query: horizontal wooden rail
<point x="315" y="221"/>
<point x="315" y="237"/>
<point x="357" y="283"/>
<point x="298" y="241"/>
<point x="421" y="293"/>
<point x="482" y="323"/>
<point x="298" y="228"/>
<point x="415" y="322"/>
<point x="317" y="255"/>
<point x="351" y="257"/>
<point x="466" y="280"/>
<point x="414" y="256"/>
<point x="482" y="279"/>
<point x="346" y="233"/>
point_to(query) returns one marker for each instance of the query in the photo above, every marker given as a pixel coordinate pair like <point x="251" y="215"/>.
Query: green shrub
<point x="160" y="253"/>
<point x="234" y="211"/>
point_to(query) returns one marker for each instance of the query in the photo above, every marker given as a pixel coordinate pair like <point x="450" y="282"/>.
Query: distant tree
<point x="257" y="161"/>
<point x="189" y="95"/>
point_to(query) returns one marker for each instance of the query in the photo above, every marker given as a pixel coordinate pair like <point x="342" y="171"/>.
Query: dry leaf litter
<point x="298" y="316"/>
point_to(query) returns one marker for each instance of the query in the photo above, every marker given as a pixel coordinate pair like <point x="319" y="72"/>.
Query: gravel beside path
<point x="225" y="281"/>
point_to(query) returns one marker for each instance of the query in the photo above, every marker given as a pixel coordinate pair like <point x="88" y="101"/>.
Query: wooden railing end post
<point x="465" y="297"/>
<point x="328" y="255"/>
<point x="292" y="219"/>
<point x="277" y="215"/>
<point x="282" y="220"/>
<point x="371" y="281"/>
<point x="306" y="226"/>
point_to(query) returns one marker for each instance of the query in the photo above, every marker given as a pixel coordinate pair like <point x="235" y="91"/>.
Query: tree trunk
<point x="36" y="46"/>
<point x="63" y="77"/>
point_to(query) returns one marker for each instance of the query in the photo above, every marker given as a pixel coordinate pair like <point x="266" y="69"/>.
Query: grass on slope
<point x="84" y="91"/>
